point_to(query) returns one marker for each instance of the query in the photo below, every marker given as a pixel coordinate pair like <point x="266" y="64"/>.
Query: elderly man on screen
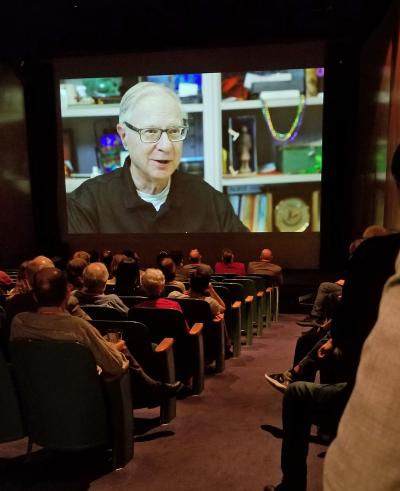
<point x="149" y="193"/>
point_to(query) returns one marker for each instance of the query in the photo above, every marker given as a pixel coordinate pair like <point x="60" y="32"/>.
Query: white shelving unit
<point x="211" y="109"/>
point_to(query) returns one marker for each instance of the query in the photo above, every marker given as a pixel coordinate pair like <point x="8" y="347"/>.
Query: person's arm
<point x="216" y="297"/>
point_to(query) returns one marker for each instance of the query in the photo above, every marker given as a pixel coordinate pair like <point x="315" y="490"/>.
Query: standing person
<point x="265" y="266"/>
<point x="149" y="194"/>
<point x="229" y="265"/>
<point x="365" y="453"/>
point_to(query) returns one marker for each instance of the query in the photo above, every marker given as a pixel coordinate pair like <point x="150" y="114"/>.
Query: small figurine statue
<point x="244" y="150"/>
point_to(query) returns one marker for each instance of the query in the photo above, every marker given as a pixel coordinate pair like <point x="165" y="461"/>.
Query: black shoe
<point x="270" y="487"/>
<point x="170" y="390"/>
<point x="313" y="330"/>
<point x="307" y="321"/>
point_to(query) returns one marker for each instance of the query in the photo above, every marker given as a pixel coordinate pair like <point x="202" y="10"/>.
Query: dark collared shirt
<point x="110" y="204"/>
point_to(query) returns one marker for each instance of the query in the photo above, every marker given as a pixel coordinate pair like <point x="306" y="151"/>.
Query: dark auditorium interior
<point x="229" y="436"/>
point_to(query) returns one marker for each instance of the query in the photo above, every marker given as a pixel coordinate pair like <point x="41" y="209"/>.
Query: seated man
<point x="322" y="306"/>
<point x="228" y="265"/>
<point x="53" y="322"/>
<point x="194" y="262"/>
<point x="265" y="266"/>
<point x="200" y="287"/>
<point x="95" y="277"/>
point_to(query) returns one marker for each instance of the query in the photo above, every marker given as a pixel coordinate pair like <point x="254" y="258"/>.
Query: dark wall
<point x="16" y="220"/>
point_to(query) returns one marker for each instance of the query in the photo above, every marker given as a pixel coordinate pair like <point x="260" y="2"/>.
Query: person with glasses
<point x="149" y="193"/>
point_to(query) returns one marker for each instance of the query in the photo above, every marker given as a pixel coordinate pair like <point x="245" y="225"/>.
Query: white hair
<point x="142" y="89"/>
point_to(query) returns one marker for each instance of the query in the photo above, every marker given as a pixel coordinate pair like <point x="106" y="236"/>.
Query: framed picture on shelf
<point x="242" y="145"/>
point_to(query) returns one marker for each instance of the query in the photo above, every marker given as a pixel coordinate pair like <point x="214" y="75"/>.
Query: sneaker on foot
<point x="309" y="320"/>
<point x="280" y="381"/>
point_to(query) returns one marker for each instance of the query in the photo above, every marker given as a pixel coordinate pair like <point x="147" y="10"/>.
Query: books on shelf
<point x="253" y="206"/>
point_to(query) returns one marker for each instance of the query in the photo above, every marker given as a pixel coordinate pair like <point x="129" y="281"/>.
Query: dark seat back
<point x="132" y="300"/>
<point x="162" y="323"/>
<point x="100" y="312"/>
<point x="61" y="393"/>
<point x="11" y="423"/>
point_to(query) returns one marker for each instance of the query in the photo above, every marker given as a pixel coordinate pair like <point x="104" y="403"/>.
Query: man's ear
<point x="122" y="134"/>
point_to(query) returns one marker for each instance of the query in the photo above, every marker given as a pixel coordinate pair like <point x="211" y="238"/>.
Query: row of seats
<point x="37" y="369"/>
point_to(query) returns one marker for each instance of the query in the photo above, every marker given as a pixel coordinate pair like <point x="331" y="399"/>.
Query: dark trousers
<point x="306" y="403"/>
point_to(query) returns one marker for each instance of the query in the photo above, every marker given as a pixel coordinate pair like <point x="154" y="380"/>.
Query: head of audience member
<point x="106" y="258"/>
<point x="35" y="265"/>
<point x="177" y="257"/>
<point x="82" y="255"/>
<point x="227" y="256"/>
<point x="168" y="268"/>
<point x="266" y="255"/>
<point x="152" y="108"/>
<point x="117" y="258"/>
<point x="94" y="256"/>
<point x="199" y="280"/>
<point x="74" y="270"/>
<point x="127" y="276"/>
<point x="374" y="231"/>
<point x="153" y="282"/>
<point x="95" y="277"/>
<point x="160" y="256"/>
<point x="194" y="256"/>
<point x="50" y="288"/>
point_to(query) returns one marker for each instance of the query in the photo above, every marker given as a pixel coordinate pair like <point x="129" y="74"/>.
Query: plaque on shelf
<point x="242" y="145"/>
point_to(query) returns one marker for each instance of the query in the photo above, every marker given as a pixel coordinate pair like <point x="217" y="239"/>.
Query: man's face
<point x="153" y="163"/>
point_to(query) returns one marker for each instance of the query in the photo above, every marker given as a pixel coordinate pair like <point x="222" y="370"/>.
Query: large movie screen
<point x="193" y="152"/>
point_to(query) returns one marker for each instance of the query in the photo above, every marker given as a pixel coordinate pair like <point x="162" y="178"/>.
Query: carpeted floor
<point x="228" y="438"/>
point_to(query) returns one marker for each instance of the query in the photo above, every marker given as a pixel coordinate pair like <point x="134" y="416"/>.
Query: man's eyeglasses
<point x="152" y="135"/>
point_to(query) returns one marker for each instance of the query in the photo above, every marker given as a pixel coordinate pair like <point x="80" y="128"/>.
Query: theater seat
<point x="66" y="405"/>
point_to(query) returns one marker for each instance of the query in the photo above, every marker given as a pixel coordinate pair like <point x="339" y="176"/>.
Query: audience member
<point x="265" y="266"/>
<point x="117" y="258"/>
<point x="95" y="277"/>
<point x="195" y="259"/>
<point x="82" y="255"/>
<point x="365" y="454"/>
<point x="22" y="284"/>
<point x="127" y="277"/>
<point x="177" y="257"/>
<point x="201" y="287"/>
<point x="168" y="267"/>
<point x="74" y="272"/>
<point x="25" y="301"/>
<point x="106" y="258"/>
<point x="153" y="284"/>
<point x="305" y="403"/>
<point x="53" y="322"/>
<point x="228" y="265"/>
<point x="5" y="282"/>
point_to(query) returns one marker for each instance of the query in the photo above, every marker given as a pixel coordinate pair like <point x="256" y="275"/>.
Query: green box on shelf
<point x="300" y="159"/>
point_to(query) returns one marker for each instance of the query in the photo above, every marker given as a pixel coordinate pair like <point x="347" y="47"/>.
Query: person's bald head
<point x="35" y="265"/>
<point x="195" y="256"/>
<point x="95" y="277"/>
<point x="266" y="255"/>
<point x="374" y="231"/>
<point x="50" y="287"/>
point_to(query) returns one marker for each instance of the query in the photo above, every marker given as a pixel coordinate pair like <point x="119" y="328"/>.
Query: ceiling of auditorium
<point x="45" y="28"/>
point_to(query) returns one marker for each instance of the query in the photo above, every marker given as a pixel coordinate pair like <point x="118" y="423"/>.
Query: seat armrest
<point x="196" y="329"/>
<point x="248" y="299"/>
<point x="236" y="305"/>
<point x="260" y="294"/>
<point x="165" y="345"/>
